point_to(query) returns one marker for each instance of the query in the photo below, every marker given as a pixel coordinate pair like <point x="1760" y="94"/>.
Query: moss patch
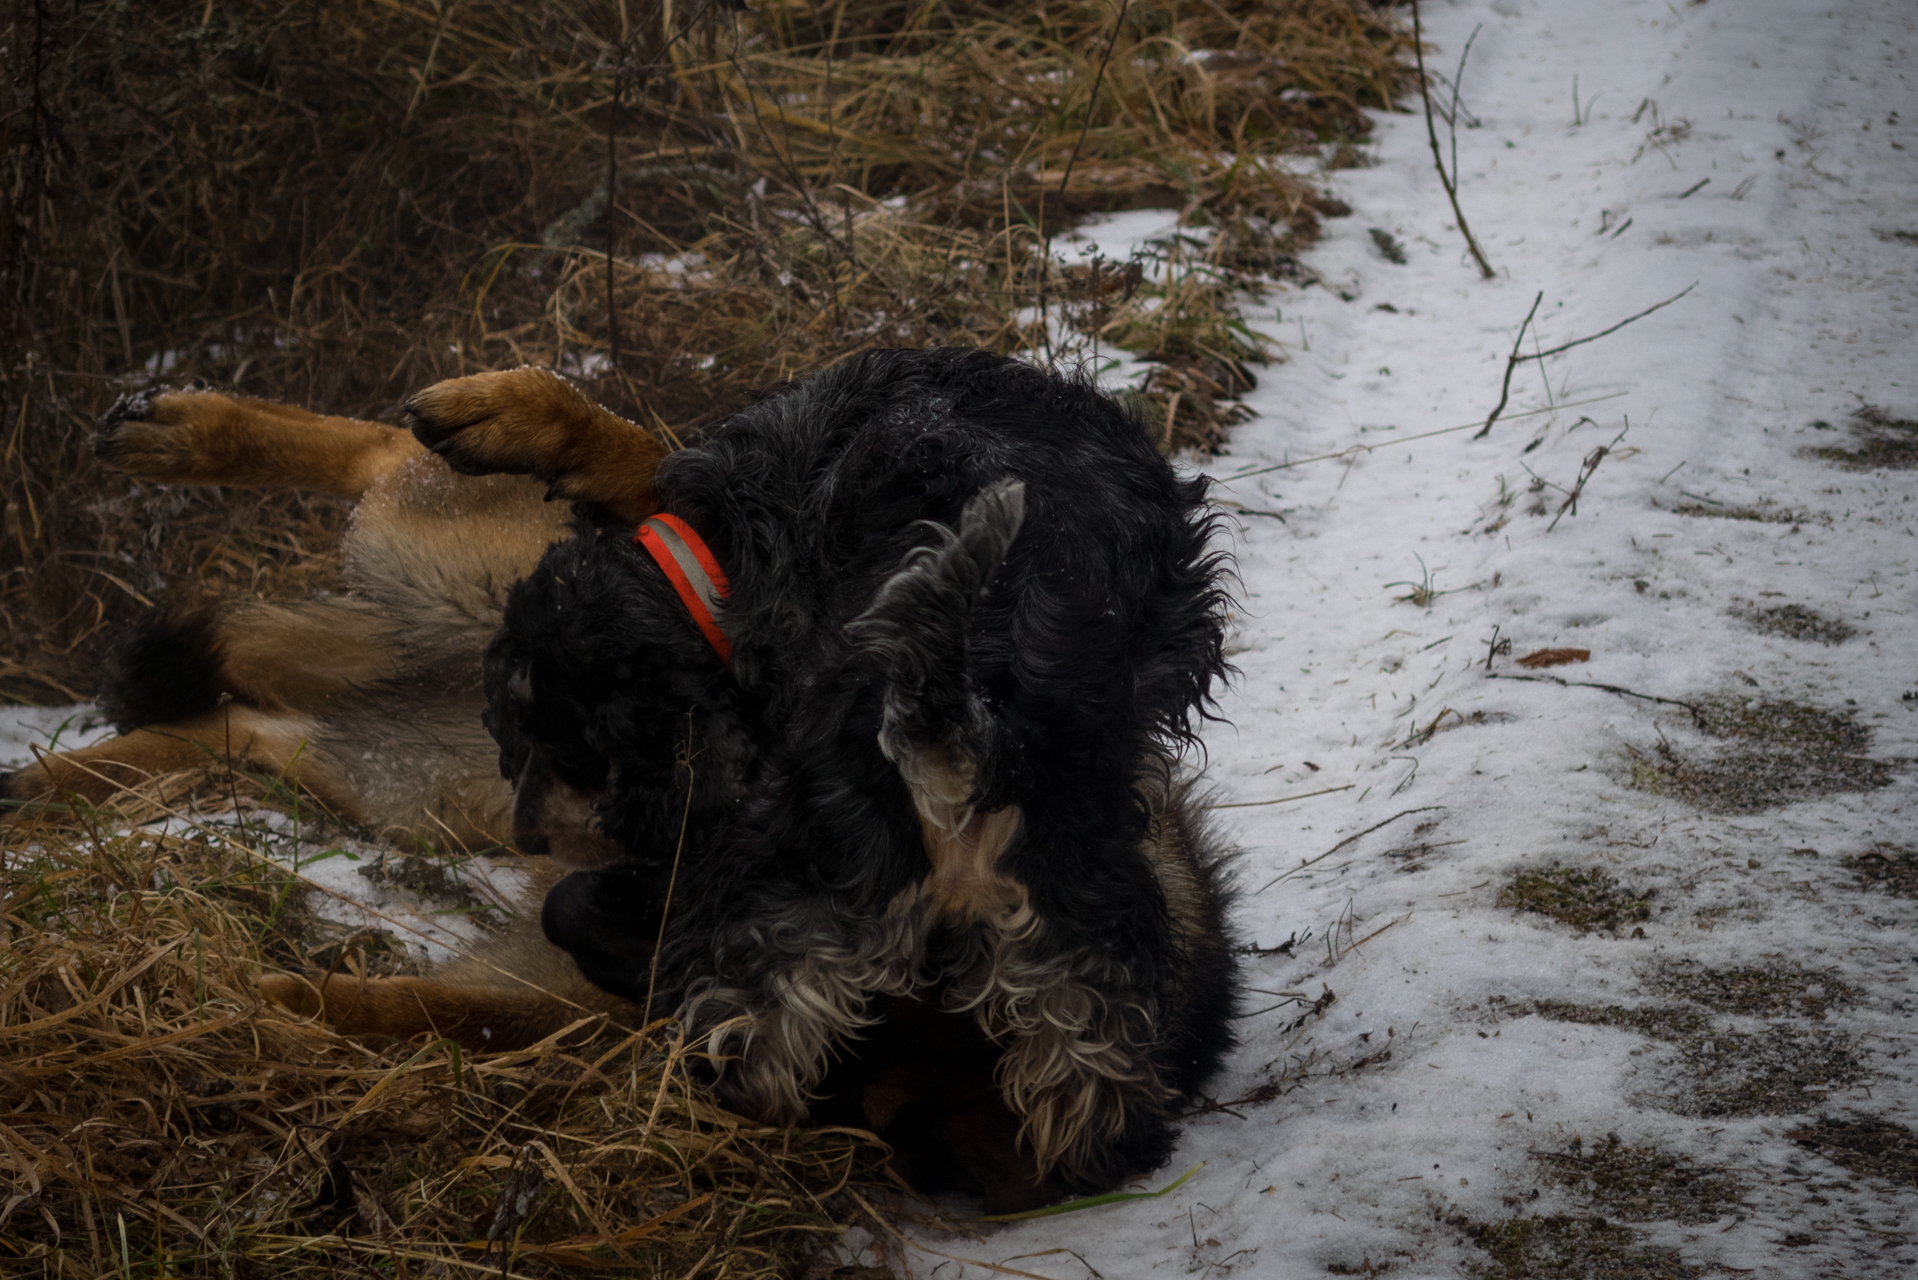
<point x="1759" y="991"/>
<point x="1587" y="898"/>
<point x="1760" y="515"/>
<point x="1388" y="245"/>
<point x="1660" y="1022"/>
<point x="1888" y="867"/>
<point x="1774" y="753"/>
<point x="1795" y="622"/>
<point x="1883" y="442"/>
<point x="1868" y="1145"/>
<point x="1778" y="1071"/>
<point x="430" y="878"/>
<point x="1642" y="1184"/>
<point x="1571" y="1248"/>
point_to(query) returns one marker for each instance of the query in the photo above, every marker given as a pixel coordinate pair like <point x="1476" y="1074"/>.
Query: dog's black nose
<point x="608" y="922"/>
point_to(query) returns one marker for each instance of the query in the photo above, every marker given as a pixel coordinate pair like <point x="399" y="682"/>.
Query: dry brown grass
<point x="160" y="1121"/>
<point x="338" y="204"/>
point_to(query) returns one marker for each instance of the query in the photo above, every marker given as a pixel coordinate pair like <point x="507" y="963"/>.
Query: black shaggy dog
<point x="916" y="857"/>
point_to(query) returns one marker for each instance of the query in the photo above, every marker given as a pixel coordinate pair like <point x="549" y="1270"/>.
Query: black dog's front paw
<point x="608" y="921"/>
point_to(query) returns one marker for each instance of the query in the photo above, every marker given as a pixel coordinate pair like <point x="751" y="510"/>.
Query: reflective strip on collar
<point x="689" y="565"/>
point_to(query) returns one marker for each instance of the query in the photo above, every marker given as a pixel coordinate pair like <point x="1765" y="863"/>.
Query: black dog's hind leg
<point x="933" y="725"/>
<point x="1078" y="1022"/>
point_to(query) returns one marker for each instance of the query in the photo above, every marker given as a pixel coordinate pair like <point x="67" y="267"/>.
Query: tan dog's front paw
<point x="195" y="436"/>
<point x="531" y="421"/>
<point x="160" y="434"/>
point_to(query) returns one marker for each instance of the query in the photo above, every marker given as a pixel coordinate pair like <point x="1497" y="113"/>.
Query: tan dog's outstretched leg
<point x="252" y="739"/>
<point x="517" y="989"/>
<point x="206" y="437"/>
<point x="533" y="422"/>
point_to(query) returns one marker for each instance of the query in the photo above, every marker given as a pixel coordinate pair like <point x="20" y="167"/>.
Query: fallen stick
<point x="1517" y="358"/>
<point x="1349" y="450"/>
<point x="1307" y="795"/>
<point x="1697" y="715"/>
<point x="1585" y="471"/>
<point x="1448" y="180"/>
<point x="1511" y="362"/>
<point x="1357" y="835"/>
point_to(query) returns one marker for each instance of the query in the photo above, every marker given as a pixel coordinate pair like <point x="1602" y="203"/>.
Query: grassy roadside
<point x="335" y="205"/>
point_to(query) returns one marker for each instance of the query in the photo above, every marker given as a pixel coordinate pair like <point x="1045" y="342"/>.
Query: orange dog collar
<point x="688" y="564"/>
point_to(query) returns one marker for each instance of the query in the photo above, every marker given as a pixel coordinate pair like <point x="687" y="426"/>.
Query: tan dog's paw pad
<point x="156" y="433"/>
<point x="512" y="421"/>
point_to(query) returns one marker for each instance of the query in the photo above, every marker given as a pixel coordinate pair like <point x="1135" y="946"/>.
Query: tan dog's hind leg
<point x="534" y="422"/>
<point x="251" y="739"/>
<point x="514" y="990"/>
<point x="204" y="437"/>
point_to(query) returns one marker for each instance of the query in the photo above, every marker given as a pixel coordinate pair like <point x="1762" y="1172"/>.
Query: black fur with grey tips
<point x="925" y="548"/>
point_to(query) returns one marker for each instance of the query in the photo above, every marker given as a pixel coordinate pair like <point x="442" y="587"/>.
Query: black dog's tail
<point x="915" y="631"/>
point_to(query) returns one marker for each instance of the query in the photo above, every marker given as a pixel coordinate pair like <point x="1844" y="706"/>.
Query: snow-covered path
<point x="1409" y="1106"/>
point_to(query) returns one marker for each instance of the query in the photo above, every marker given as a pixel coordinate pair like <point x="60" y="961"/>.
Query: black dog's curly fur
<point x="948" y="570"/>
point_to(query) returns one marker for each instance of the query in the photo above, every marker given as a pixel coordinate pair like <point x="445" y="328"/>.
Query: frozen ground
<point x="428" y="908"/>
<point x="1432" y="1086"/>
<point x="1414" y="1102"/>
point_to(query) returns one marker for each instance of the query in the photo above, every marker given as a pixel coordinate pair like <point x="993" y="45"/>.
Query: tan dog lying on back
<point x="369" y="700"/>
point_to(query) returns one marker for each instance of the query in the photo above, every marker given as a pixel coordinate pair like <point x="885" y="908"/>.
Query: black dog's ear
<point x="608" y="921"/>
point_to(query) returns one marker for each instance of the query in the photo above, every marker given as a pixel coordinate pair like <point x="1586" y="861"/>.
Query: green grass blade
<point x="1093" y="1202"/>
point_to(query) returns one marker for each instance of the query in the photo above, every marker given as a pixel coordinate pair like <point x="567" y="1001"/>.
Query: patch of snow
<point x="48" y="728"/>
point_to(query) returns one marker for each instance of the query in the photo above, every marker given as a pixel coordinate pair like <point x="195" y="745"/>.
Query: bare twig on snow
<point x="1585" y="471"/>
<point x="1449" y="180"/>
<point x="1518" y="357"/>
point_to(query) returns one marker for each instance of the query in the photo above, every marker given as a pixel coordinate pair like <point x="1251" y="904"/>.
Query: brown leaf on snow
<point x="1555" y="657"/>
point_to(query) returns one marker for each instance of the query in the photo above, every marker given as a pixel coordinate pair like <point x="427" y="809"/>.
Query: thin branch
<point x="1698" y="716"/>
<point x="1352" y="451"/>
<point x="1045" y="236"/>
<point x="1357" y="835"/>
<point x="1518" y="357"/>
<point x="1585" y="471"/>
<point x="1604" y="333"/>
<point x="672" y="880"/>
<point x="795" y="181"/>
<point x="1448" y="180"/>
<point x="1097" y="81"/>
<point x="628" y="38"/>
<point x="612" y="191"/>
<point x="1306" y="795"/>
<point x="1458" y="80"/>
<point x="1511" y="362"/>
<point x="1493" y="647"/>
